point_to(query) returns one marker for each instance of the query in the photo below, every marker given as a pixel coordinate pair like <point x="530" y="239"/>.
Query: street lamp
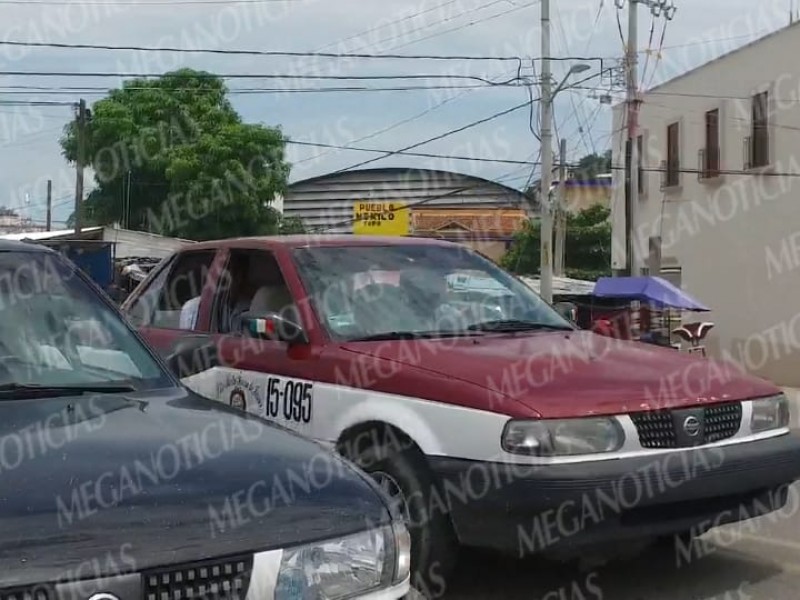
<point x="546" y="255"/>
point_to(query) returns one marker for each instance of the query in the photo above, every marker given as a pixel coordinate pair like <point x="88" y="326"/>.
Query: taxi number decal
<point x="290" y="400"/>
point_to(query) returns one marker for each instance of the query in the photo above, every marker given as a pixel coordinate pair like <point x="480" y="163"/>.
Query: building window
<point x="710" y="159"/>
<point x="759" y="134"/>
<point x="673" y="156"/>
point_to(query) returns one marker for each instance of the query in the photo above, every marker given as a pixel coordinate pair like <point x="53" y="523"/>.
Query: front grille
<point x="27" y="593"/>
<point x="218" y="579"/>
<point x="722" y="421"/>
<point x="656" y="429"/>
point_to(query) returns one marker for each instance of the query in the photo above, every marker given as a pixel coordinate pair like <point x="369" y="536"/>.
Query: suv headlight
<point x="345" y="567"/>
<point x="563" y="437"/>
<point x="769" y="413"/>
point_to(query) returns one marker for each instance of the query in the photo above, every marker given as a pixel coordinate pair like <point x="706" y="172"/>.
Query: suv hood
<point x="569" y="374"/>
<point x="117" y="484"/>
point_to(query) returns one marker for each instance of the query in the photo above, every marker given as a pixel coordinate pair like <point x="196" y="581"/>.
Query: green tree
<point x="188" y="166"/>
<point x="587" y="254"/>
<point x="592" y="165"/>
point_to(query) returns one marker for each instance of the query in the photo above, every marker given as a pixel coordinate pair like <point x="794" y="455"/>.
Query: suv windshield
<point x="55" y="330"/>
<point x="402" y="291"/>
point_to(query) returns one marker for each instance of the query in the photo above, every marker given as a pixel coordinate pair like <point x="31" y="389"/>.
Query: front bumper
<point x="563" y="509"/>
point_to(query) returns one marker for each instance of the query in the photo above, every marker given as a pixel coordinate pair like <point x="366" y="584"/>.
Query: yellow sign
<point x="381" y="218"/>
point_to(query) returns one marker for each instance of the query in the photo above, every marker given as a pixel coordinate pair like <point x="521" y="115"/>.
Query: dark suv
<point x="119" y="483"/>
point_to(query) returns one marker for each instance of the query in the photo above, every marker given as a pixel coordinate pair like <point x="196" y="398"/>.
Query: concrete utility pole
<point x="658" y="8"/>
<point x="560" y="214"/>
<point x="545" y="208"/>
<point x="546" y="230"/>
<point x="80" y="135"/>
<point x="49" y="203"/>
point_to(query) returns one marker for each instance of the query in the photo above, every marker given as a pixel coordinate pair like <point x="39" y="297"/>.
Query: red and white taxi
<point x="492" y="420"/>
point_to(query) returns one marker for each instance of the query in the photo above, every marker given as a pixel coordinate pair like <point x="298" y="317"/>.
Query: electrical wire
<point x="140" y="2"/>
<point x="408" y="76"/>
<point x="284" y="53"/>
<point x="404" y="153"/>
<point x="103" y="91"/>
<point x="435" y="138"/>
<point x="471" y="23"/>
<point x="389" y="24"/>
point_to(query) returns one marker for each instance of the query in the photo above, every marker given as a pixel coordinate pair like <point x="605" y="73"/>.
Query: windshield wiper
<point x="21" y="391"/>
<point x="410" y="335"/>
<point x="509" y="325"/>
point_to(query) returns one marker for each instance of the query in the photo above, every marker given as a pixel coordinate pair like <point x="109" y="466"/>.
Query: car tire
<point x="433" y="540"/>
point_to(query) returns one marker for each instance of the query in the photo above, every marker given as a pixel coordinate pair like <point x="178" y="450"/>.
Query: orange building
<point x="487" y="230"/>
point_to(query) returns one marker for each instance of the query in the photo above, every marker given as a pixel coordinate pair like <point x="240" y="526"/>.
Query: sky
<point x="583" y="31"/>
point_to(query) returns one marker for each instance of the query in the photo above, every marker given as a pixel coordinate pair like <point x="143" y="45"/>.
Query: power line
<point x="472" y="23"/>
<point x="101" y="91"/>
<point x="403" y="153"/>
<point x="410" y="76"/>
<point x="141" y="2"/>
<point x="285" y="53"/>
<point x="435" y="138"/>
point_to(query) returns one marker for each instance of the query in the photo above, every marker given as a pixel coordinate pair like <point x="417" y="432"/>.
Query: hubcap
<point x="394" y="492"/>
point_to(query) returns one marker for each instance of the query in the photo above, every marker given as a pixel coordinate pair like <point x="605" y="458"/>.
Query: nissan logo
<point x="691" y="426"/>
<point x="103" y="596"/>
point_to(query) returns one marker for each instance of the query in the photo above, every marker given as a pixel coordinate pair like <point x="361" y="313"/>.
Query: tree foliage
<point x="587" y="253"/>
<point x="182" y="155"/>
<point x="592" y="165"/>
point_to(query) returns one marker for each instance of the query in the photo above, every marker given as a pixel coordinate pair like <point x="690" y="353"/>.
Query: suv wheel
<point x="406" y="480"/>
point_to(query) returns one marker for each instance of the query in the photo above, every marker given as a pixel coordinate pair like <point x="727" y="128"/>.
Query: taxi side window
<point x="252" y="283"/>
<point x="172" y="300"/>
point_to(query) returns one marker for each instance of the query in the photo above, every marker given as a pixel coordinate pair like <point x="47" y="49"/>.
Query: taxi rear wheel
<point x="406" y="480"/>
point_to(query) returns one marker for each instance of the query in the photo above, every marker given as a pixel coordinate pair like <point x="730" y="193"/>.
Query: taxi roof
<point x="316" y="240"/>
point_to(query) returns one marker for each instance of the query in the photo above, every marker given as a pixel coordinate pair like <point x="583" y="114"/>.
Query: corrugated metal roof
<point x="47" y="235"/>
<point x="562" y="285"/>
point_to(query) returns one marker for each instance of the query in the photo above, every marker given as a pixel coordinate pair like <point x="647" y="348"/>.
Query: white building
<point x="720" y="204"/>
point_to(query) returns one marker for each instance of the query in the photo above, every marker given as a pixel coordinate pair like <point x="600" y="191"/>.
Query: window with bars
<point x="710" y="155"/>
<point x="759" y="131"/>
<point x="673" y="162"/>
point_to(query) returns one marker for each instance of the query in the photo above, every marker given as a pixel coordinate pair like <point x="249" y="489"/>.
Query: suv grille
<point x="34" y="593"/>
<point x="657" y="429"/>
<point x="218" y="579"/>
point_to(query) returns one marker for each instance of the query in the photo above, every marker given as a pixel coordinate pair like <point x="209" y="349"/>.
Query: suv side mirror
<point x="193" y="355"/>
<point x="272" y="326"/>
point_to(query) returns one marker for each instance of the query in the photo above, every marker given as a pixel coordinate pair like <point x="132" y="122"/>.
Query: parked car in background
<point x="119" y="481"/>
<point x="490" y="419"/>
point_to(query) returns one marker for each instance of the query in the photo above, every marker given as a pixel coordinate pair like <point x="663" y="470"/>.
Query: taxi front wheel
<point x="406" y="480"/>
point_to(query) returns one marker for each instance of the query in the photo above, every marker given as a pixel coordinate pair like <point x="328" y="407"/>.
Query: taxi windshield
<point x="416" y="290"/>
<point x="55" y="330"/>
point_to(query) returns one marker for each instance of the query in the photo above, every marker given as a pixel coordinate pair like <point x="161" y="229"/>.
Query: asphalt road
<point x="755" y="560"/>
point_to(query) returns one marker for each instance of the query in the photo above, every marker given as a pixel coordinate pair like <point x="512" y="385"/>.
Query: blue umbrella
<point x="653" y="290"/>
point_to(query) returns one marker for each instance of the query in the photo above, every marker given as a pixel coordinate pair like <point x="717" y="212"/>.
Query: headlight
<point x="563" y="437"/>
<point x="769" y="413"/>
<point x="345" y="567"/>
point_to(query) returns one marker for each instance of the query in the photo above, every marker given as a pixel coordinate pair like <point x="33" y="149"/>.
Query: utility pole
<point x="560" y="215"/>
<point x="80" y="135"/>
<point x="546" y="230"/>
<point x="657" y="8"/>
<point x="49" y="203"/>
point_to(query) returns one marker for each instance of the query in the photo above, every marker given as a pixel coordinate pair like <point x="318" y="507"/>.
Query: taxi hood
<point x="567" y="374"/>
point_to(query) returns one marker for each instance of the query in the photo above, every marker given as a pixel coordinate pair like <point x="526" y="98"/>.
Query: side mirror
<point x="567" y="310"/>
<point x="272" y="326"/>
<point x="193" y="355"/>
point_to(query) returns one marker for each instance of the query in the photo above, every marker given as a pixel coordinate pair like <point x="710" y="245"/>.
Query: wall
<point x="729" y="235"/>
